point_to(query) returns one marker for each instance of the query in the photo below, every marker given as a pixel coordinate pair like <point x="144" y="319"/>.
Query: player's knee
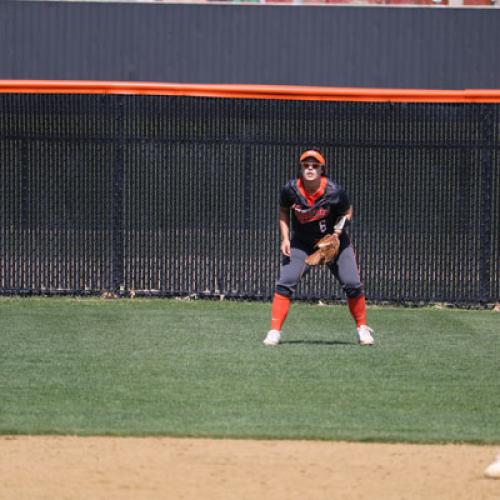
<point x="353" y="290"/>
<point x="286" y="291"/>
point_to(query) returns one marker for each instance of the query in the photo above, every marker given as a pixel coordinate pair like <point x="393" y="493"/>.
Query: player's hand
<point x="285" y="247"/>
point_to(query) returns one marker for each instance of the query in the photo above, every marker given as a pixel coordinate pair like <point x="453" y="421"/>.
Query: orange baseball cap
<point x="312" y="153"/>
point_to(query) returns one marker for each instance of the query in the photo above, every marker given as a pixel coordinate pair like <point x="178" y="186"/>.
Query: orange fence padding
<point x="249" y="91"/>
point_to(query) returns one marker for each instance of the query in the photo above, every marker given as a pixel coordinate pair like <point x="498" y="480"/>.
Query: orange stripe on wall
<point x="249" y="91"/>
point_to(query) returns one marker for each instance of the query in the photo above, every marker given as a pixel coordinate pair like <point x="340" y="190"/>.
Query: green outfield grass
<point x="198" y="368"/>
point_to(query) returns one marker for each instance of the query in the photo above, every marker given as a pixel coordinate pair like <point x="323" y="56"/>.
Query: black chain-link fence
<point x="179" y="195"/>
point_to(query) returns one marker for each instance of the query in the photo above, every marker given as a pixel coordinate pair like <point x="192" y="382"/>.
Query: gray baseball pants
<point x="344" y="268"/>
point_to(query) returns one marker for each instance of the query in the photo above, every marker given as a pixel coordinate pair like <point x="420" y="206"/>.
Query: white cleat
<point x="273" y="338"/>
<point x="493" y="470"/>
<point x="365" y="335"/>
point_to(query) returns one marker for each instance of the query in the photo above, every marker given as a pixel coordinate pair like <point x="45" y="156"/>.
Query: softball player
<point x="310" y="207"/>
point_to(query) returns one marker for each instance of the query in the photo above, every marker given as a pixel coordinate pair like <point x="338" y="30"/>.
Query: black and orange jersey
<point x="313" y="215"/>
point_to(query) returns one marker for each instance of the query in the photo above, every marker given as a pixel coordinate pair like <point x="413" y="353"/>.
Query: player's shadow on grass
<point x="317" y="342"/>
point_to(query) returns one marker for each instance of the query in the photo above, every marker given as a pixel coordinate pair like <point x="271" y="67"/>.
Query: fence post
<point x="118" y="180"/>
<point x="488" y="144"/>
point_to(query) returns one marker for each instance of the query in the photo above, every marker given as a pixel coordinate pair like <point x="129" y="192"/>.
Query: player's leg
<point x="291" y="271"/>
<point x="345" y="269"/>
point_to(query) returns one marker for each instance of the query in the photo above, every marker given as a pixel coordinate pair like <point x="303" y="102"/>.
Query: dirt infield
<point x="160" y="468"/>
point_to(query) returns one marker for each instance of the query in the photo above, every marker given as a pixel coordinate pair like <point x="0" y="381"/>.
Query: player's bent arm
<point x="284" y="226"/>
<point x="339" y="226"/>
<point x="348" y="214"/>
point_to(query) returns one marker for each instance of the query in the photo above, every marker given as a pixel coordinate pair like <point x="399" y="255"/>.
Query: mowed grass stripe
<point x="198" y="368"/>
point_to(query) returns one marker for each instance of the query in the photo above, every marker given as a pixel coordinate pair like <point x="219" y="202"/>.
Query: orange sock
<point x="279" y="311"/>
<point x="357" y="306"/>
